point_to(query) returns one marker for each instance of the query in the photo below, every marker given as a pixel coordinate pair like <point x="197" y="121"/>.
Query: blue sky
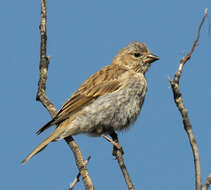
<point x="83" y="36"/>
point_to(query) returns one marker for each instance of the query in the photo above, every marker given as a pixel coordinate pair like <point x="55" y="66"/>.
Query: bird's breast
<point x="128" y="103"/>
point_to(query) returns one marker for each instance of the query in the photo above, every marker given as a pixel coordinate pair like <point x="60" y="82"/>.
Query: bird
<point x="109" y="100"/>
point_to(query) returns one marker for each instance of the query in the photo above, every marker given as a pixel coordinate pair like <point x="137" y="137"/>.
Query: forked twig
<point x="77" y="179"/>
<point x="183" y="111"/>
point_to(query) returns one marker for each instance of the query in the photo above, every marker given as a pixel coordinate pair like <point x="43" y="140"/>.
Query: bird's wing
<point x="103" y="82"/>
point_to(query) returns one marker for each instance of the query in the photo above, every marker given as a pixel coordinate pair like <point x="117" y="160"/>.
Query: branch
<point x="44" y="62"/>
<point x="207" y="183"/>
<point x="42" y="97"/>
<point x="77" y="179"/>
<point x="183" y="111"/>
<point x="81" y="165"/>
<point x="118" y="153"/>
<point x="188" y="56"/>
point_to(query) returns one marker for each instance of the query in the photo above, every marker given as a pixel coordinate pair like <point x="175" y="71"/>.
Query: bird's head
<point x="135" y="56"/>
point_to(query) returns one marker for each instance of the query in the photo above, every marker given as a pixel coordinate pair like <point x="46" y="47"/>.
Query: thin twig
<point x="188" y="56"/>
<point x="119" y="156"/>
<point x="77" y="179"/>
<point x="42" y="97"/>
<point x="184" y="113"/>
<point x="207" y="183"/>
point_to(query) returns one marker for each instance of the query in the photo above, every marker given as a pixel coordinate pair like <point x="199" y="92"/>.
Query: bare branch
<point x="207" y="183"/>
<point x="118" y="153"/>
<point x="44" y="62"/>
<point x="183" y="111"/>
<point x="77" y="179"/>
<point x="42" y="97"/>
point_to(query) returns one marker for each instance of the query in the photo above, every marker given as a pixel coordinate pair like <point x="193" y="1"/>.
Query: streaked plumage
<point x="111" y="99"/>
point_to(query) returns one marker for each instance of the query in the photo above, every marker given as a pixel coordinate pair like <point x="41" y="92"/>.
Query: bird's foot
<point x="116" y="144"/>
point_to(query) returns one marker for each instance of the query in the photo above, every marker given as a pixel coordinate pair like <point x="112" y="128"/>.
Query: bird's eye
<point x="137" y="54"/>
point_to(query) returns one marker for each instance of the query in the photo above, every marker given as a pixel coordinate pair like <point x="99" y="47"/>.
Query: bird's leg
<point x="115" y="139"/>
<point x="115" y="143"/>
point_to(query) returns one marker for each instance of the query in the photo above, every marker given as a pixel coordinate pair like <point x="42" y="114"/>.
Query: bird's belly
<point x="114" y="111"/>
<point x="117" y="110"/>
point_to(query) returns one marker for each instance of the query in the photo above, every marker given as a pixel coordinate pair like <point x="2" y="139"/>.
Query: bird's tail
<point x="56" y="133"/>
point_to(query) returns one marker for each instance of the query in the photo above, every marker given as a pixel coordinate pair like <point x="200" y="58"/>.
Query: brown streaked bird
<point x="109" y="100"/>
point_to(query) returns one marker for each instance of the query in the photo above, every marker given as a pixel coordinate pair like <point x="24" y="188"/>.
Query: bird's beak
<point x="151" y="58"/>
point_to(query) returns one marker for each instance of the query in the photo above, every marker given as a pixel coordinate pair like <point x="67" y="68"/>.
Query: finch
<point x="109" y="100"/>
